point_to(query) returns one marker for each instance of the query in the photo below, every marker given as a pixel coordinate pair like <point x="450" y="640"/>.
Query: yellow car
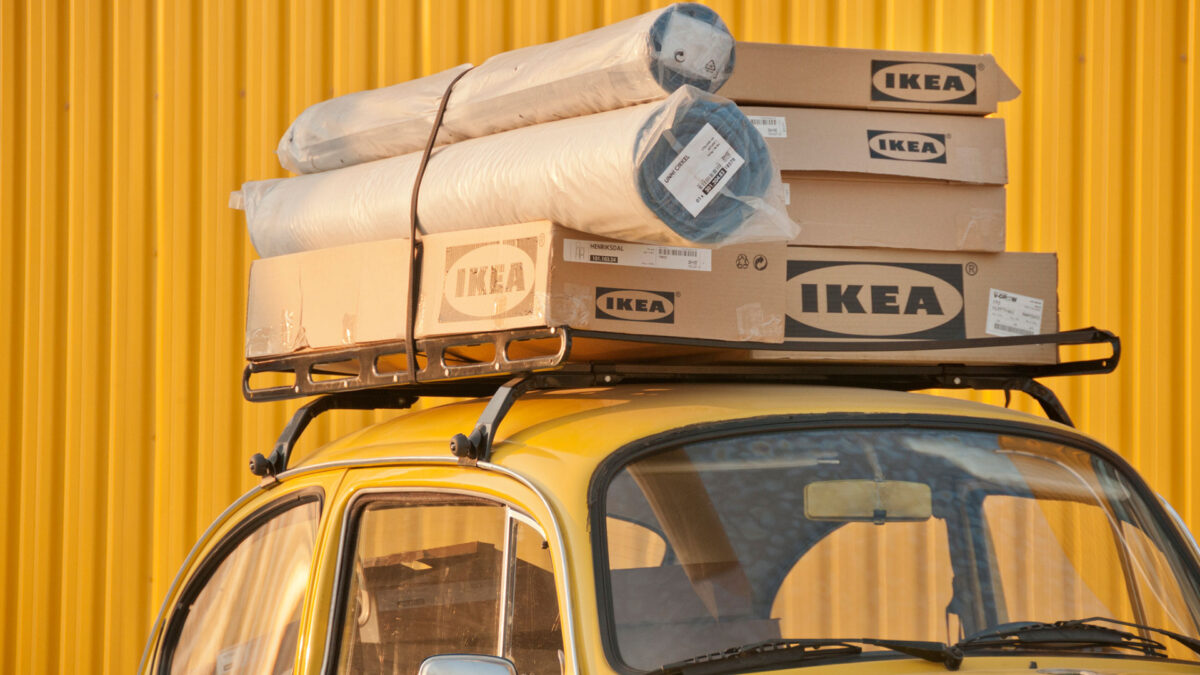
<point x="682" y="525"/>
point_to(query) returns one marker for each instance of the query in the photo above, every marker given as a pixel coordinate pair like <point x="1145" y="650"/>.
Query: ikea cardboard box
<point x="334" y="297"/>
<point x="886" y="179"/>
<point x="519" y="276"/>
<point x="880" y="294"/>
<point x="540" y="274"/>
<point x="834" y="77"/>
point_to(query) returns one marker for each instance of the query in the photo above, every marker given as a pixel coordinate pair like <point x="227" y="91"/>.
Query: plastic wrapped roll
<point x="635" y="61"/>
<point x="687" y="170"/>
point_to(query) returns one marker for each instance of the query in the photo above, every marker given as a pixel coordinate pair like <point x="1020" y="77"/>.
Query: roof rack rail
<point x="444" y="370"/>
<point x="504" y="379"/>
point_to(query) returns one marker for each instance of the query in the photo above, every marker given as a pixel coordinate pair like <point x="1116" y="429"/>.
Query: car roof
<point x="546" y="430"/>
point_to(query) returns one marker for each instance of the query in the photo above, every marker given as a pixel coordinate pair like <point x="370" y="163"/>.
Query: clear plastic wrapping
<point x="687" y="170"/>
<point x="635" y="61"/>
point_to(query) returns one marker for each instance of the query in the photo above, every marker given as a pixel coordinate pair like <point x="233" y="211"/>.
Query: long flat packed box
<point x="881" y="294"/>
<point x="540" y="274"/>
<point x="520" y="276"/>
<point x="872" y="79"/>
<point x="892" y="180"/>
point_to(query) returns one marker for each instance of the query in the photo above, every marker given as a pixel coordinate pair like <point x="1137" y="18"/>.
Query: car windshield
<point x="892" y="533"/>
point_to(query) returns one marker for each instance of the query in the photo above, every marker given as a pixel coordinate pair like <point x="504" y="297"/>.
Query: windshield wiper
<point x="761" y="654"/>
<point x="783" y="652"/>
<point x="1060" y="635"/>
<point x="1074" y="634"/>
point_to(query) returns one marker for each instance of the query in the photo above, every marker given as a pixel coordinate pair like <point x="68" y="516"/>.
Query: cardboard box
<point x="866" y="211"/>
<point x="883" y="179"/>
<point x="938" y="147"/>
<point x="519" y="276"/>
<point x="833" y="77"/>
<point x="328" y="298"/>
<point x="882" y="294"/>
<point x="540" y="274"/>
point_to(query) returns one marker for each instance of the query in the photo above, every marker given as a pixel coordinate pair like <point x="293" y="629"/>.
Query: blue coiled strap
<point x="724" y="214"/>
<point x="671" y="79"/>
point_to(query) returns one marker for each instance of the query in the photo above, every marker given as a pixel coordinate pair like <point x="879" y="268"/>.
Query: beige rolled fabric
<point x="635" y="61"/>
<point x="690" y="169"/>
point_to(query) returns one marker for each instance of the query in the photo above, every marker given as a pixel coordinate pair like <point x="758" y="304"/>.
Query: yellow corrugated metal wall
<point x="125" y="124"/>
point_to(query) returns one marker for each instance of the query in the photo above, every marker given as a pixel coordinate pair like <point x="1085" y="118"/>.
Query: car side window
<point x="428" y="574"/>
<point x="243" y="613"/>
<point x="535" y="633"/>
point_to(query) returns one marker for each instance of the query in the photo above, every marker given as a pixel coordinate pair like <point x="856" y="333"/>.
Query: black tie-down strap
<point x="414" y="226"/>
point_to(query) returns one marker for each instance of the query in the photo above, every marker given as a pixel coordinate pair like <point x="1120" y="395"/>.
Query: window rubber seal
<point x="226" y="545"/>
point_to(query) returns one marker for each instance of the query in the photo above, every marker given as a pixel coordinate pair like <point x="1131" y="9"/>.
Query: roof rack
<point x="361" y="377"/>
<point x="447" y="368"/>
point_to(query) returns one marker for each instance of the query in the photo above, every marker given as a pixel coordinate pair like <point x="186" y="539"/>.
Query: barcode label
<point x="637" y="255"/>
<point x="1014" y="330"/>
<point x="685" y="252"/>
<point x="1011" y="314"/>
<point x="701" y="170"/>
<point x="769" y="126"/>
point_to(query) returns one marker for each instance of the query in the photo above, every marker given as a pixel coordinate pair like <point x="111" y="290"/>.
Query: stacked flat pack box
<point x="896" y="176"/>
<point x="887" y="162"/>
<point x="889" y="179"/>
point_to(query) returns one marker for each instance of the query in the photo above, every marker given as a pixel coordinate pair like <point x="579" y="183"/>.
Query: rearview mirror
<point x="876" y="501"/>
<point x="466" y="664"/>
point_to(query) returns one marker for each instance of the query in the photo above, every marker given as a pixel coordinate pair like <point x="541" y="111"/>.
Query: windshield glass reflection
<point x="900" y="534"/>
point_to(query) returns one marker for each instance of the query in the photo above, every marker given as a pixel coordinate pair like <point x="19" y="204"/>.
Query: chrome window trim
<point x="506" y="601"/>
<point x="561" y="555"/>
<point x="1183" y="528"/>
<point x="522" y="518"/>
<point x="561" y="580"/>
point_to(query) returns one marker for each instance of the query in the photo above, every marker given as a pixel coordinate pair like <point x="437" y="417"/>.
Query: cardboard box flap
<point x="1006" y="89"/>
<point x="940" y="147"/>
<point x="869" y="79"/>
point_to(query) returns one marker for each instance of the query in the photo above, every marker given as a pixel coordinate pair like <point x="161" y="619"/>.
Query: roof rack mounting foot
<point x="1036" y="390"/>
<point x="477" y="446"/>
<point x="1049" y="401"/>
<point x="268" y="468"/>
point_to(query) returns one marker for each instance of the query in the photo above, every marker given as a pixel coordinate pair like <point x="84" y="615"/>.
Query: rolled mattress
<point x="638" y="60"/>
<point x="690" y="169"/>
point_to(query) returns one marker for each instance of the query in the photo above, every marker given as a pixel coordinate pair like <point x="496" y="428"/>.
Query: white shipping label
<point x="694" y="47"/>
<point x="701" y="169"/>
<point x="769" y="126"/>
<point x="1011" y="314"/>
<point x="637" y="255"/>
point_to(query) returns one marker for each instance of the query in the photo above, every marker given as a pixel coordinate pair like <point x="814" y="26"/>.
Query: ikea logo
<point x="907" y="146"/>
<point x="920" y="82"/>
<point x="874" y="300"/>
<point x="489" y="280"/>
<point x="623" y="304"/>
